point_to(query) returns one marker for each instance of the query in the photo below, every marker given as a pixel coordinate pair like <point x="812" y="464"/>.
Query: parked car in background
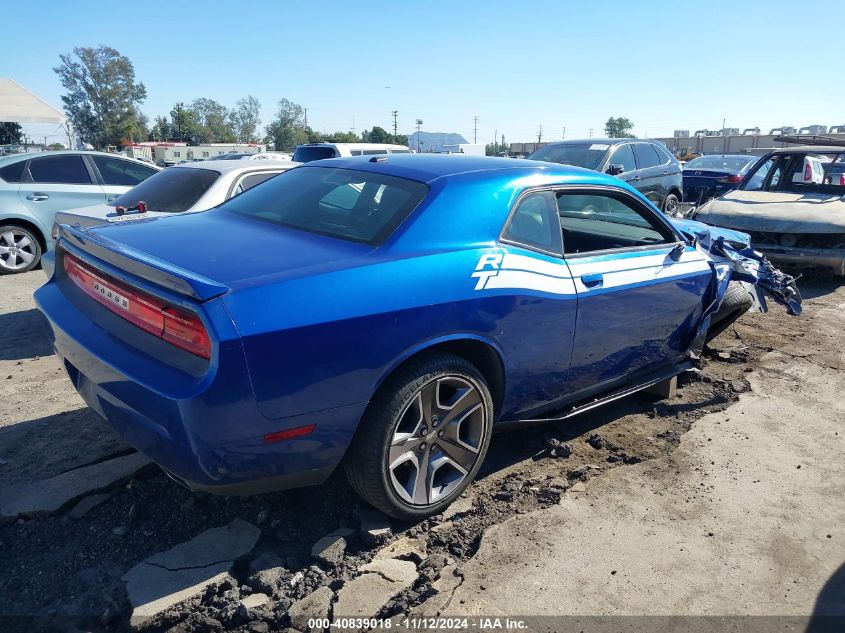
<point x="384" y="314"/>
<point x="792" y="203"/>
<point x="318" y="151"/>
<point x="35" y="186"/>
<point x="252" y="156"/>
<point x="646" y="165"/>
<point x="194" y="186"/>
<point x="706" y="177"/>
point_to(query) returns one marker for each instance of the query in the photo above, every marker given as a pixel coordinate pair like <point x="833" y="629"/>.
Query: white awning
<point x="19" y="105"/>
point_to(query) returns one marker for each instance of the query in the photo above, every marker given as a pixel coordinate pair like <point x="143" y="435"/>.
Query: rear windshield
<point x="587" y="155"/>
<point x="170" y="190"/>
<point x="342" y="203"/>
<point x="307" y="154"/>
<point x="732" y="164"/>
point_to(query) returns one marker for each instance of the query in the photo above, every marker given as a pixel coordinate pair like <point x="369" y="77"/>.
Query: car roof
<point x="810" y="149"/>
<point x="355" y="145"/>
<point x="430" y="167"/>
<point x="749" y="156"/>
<point x="228" y="166"/>
<point x="11" y="158"/>
<point x="600" y="141"/>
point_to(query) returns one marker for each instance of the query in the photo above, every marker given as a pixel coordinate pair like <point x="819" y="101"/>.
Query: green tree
<point x="619" y="127"/>
<point x="55" y="146"/>
<point x="103" y="98"/>
<point x="161" y="130"/>
<point x="376" y="135"/>
<point x="10" y="133"/>
<point x="400" y="139"/>
<point x="288" y="129"/>
<point x="211" y="122"/>
<point x="342" y="137"/>
<point x="182" y="125"/>
<point x="244" y="119"/>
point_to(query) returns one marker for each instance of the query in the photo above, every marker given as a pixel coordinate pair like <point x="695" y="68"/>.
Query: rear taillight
<point x="175" y="325"/>
<point x="734" y="180"/>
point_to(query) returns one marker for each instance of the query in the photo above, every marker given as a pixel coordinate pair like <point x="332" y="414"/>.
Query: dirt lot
<point x="60" y="572"/>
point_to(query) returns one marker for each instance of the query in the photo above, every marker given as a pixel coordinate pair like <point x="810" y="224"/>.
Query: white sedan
<point x="188" y="187"/>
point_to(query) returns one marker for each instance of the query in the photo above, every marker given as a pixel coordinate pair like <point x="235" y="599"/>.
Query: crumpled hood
<point x="776" y="212"/>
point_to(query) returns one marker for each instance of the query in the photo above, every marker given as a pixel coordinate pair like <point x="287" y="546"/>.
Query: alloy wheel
<point x="17" y="249"/>
<point x="437" y="440"/>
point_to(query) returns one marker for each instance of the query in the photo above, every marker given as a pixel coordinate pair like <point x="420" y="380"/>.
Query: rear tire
<point x="423" y="438"/>
<point x="20" y="249"/>
<point x="670" y="205"/>
<point x="737" y="302"/>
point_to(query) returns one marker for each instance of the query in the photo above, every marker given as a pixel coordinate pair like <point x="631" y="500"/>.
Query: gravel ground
<point x="64" y="573"/>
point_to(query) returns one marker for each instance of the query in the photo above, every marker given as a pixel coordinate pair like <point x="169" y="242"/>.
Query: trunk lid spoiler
<point x="140" y="264"/>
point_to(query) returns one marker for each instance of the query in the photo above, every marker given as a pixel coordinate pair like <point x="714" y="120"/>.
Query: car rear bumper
<point x="212" y="439"/>
<point x="829" y="258"/>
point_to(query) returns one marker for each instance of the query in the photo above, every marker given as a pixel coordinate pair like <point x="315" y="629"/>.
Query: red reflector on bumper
<point x="289" y="434"/>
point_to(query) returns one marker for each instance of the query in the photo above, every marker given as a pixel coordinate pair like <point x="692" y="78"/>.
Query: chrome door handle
<point x="593" y="280"/>
<point x="37" y="197"/>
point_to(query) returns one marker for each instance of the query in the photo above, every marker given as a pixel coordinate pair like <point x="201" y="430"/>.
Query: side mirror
<point x="677" y="251"/>
<point x="615" y="169"/>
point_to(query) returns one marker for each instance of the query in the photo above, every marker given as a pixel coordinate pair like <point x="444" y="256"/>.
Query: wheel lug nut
<point x="440" y="433"/>
<point x="422" y="447"/>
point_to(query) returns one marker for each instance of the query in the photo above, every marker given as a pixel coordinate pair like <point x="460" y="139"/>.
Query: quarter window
<point x="646" y="155"/>
<point x="253" y="179"/>
<point x="65" y="169"/>
<point x="13" y="172"/>
<point x="598" y="222"/>
<point x="534" y="223"/>
<point x="121" y="172"/>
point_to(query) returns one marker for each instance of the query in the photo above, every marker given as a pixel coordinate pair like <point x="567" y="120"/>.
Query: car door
<point x="640" y="286"/>
<point x="537" y="303"/>
<point x="117" y="176"/>
<point x="648" y="178"/>
<point x="58" y="182"/>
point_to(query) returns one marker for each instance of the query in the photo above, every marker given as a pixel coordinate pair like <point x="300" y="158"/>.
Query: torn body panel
<point x="734" y="259"/>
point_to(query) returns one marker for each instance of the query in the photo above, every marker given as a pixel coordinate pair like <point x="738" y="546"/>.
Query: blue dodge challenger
<point x="385" y="314"/>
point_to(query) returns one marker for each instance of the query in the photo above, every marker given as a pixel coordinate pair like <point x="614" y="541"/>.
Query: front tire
<point x="20" y="250"/>
<point x="670" y="205"/>
<point x="423" y="438"/>
<point x="737" y="302"/>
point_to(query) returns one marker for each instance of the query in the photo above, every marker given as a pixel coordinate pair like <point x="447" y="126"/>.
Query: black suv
<point x="645" y="165"/>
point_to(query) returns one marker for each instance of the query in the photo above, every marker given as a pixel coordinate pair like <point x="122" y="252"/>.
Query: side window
<point x="65" y="169"/>
<point x="534" y="223"/>
<point x="121" y="172"/>
<point x="355" y="152"/>
<point x="646" y="155"/>
<point x="624" y="156"/>
<point x="663" y="154"/>
<point x="374" y="152"/>
<point x="755" y="183"/>
<point x="599" y="222"/>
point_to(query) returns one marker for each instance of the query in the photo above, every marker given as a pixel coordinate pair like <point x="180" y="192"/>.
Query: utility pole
<point x="306" y="117"/>
<point x="496" y="142"/>
<point x="475" y="129"/>
<point x="419" y="125"/>
<point x="591" y="132"/>
<point x="563" y="136"/>
<point x="395" y="114"/>
<point x="540" y="135"/>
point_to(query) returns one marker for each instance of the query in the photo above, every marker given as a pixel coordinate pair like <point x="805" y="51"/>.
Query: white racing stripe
<point x="522" y="272"/>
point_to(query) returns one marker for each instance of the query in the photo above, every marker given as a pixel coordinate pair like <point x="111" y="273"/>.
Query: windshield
<point x="171" y="190"/>
<point x="342" y="203"/>
<point x="733" y="164"/>
<point x="587" y="155"/>
<point x="307" y="153"/>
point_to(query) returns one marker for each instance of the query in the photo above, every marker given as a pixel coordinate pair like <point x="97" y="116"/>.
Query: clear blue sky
<point x="517" y="65"/>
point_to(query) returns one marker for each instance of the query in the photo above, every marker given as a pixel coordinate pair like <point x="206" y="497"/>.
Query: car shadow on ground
<point x="22" y="335"/>
<point x="829" y="611"/>
<point x="46" y="447"/>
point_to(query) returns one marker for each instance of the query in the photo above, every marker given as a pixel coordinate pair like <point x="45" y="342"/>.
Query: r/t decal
<point x="492" y="261"/>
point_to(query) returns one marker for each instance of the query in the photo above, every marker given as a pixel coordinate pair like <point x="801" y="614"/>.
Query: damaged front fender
<point x="733" y="259"/>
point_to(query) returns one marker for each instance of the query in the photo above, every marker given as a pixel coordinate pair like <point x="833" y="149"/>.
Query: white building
<point x="177" y="152"/>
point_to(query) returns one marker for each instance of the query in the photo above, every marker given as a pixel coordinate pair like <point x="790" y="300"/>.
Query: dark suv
<point x="645" y="165"/>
